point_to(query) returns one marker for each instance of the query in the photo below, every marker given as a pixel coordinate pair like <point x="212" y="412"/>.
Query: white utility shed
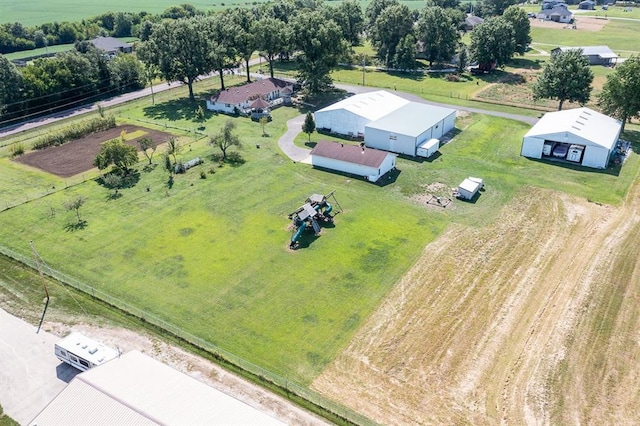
<point x="351" y="115"/>
<point x="406" y="128"/>
<point x="135" y="389"/>
<point x="369" y="163"/>
<point x="596" y="132"/>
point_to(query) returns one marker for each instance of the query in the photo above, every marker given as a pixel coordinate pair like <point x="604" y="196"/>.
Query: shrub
<point x="203" y="175"/>
<point x="75" y="131"/>
<point x="16" y="149"/>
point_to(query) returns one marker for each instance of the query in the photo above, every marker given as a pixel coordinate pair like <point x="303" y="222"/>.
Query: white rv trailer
<point x="82" y="352"/>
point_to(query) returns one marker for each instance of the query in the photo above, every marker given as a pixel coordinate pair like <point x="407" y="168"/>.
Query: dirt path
<point x="533" y="319"/>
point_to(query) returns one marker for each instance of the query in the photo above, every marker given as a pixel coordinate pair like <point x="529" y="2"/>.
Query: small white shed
<point x="559" y="135"/>
<point x="469" y="188"/>
<point x="369" y="163"/>
<point x="351" y="115"/>
<point x="408" y="127"/>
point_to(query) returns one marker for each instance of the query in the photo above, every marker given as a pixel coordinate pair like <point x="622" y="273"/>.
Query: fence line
<point x="286" y="385"/>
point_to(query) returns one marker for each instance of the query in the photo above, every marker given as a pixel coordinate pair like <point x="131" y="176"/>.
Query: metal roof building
<point x="135" y="389"/>
<point x="406" y="128"/>
<point x="594" y="134"/>
<point x="351" y="115"/>
<point x="369" y="163"/>
<point x="597" y="55"/>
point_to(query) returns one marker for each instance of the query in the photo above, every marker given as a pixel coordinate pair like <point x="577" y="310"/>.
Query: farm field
<point x="406" y="312"/>
<point x="210" y="255"/>
<point x="33" y="12"/>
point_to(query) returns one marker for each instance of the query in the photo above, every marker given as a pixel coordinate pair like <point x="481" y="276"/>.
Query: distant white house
<point x="597" y="55"/>
<point x="559" y="13"/>
<point x="581" y="135"/>
<point x="255" y="95"/>
<point x="112" y="45"/>
<point x="369" y="163"/>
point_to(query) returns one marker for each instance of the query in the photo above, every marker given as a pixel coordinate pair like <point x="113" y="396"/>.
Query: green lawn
<point x="210" y="255"/>
<point x="617" y="34"/>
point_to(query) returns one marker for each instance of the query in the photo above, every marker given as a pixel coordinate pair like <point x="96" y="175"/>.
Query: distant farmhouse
<point x="472" y="21"/>
<point x="260" y="95"/>
<point x="552" y="4"/>
<point x="597" y="55"/>
<point x="587" y="5"/>
<point x="112" y="46"/>
<point x="559" y="13"/>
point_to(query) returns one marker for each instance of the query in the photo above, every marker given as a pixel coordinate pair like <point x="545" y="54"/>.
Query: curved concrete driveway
<point x="294" y="126"/>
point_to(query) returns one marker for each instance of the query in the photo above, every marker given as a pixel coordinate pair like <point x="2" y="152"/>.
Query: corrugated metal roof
<point x="371" y="105"/>
<point x="109" y="44"/>
<point x="350" y="153"/>
<point x="601" y="51"/>
<point x="135" y="389"/>
<point x="585" y="123"/>
<point x="412" y="119"/>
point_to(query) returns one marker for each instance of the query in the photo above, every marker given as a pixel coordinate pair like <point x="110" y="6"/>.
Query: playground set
<point x="307" y="217"/>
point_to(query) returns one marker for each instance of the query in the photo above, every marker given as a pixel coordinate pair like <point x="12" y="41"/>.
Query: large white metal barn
<point x="369" y="163"/>
<point x="135" y="389"/>
<point x="581" y="136"/>
<point x="351" y="115"/>
<point x="386" y="121"/>
<point x="406" y="128"/>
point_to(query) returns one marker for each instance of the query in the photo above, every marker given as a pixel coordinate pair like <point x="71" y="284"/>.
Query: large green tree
<point x="272" y="37"/>
<point x="567" y="77"/>
<point x="374" y="9"/>
<point x="496" y="7"/>
<point x="181" y="49"/>
<point x="321" y="47"/>
<point x="11" y="83"/>
<point x="392" y="25"/>
<point x="245" y="42"/>
<point x="405" y="57"/>
<point x="438" y="34"/>
<point x="620" y="96"/>
<point x="493" y="42"/>
<point x="521" y="27"/>
<point x="118" y="153"/>
<point x="349" y="17"/>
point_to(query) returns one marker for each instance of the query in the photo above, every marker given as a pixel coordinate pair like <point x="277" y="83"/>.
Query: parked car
<point x="560" y="151"/>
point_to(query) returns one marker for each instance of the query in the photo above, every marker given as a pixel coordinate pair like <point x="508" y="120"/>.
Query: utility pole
<point x="363" y="68"/>
<point x="36" y="256"/>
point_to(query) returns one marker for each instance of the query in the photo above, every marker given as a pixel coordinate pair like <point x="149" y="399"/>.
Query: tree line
<point x="183" y="44"/>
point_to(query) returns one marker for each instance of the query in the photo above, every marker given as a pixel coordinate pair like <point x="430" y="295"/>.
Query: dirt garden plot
<point x="582" y="23"/>
<point x="77" y="156"/>
<point x="532" y="320"/>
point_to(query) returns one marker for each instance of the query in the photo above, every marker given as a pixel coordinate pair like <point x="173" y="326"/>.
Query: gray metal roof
<point x="601" y="51"/>
<point x="109" y="44"/>
<point x="591" y="126"/>
<point x="135" y="389"/>
<point x="412" y="119"/>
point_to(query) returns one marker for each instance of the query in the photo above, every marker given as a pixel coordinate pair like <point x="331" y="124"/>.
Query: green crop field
<point x="617" y="34"/>
<point x="34" y="12"/>
<point x="210" y="255"/>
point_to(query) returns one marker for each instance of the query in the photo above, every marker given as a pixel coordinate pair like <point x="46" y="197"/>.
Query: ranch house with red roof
<point x="252" y="96"/>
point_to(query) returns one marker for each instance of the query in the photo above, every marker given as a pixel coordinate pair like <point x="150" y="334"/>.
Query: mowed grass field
<point x="33" y="12"/>
<point x="210" y="255"/>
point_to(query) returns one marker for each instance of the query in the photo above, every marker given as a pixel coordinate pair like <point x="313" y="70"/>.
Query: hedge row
<point x="75" y="131"/>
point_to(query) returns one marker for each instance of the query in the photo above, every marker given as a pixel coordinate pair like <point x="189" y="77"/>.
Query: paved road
<point x="30" y="374"/>
<point x="294" y="127"/>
